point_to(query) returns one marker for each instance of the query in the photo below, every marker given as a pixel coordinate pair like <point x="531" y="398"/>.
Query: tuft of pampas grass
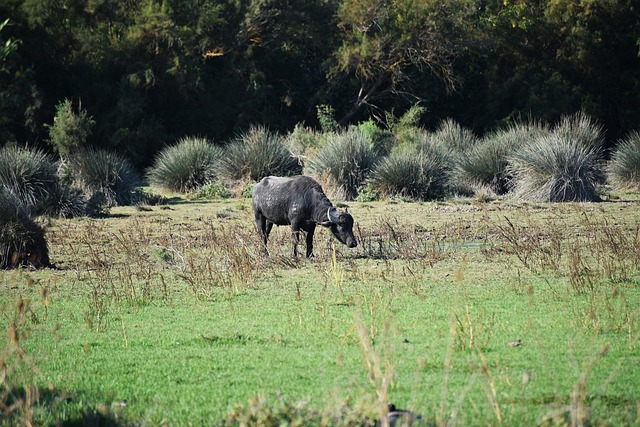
<point x="555" y="169"/>
<point x="30" y="175"/>
<point x="418" y="172"/>
<point x="484" y="165"/>
<point x="624" y="168"/>
<point x="565" y="165"/>
<point x="454" y="136"/>
<point x="187" y="166"/>
<point x="346" y="159"/>
<point x="257" y="153"/>
<point x="103" y="174"/>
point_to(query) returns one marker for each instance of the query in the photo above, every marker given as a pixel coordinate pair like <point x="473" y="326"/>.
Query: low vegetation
<point x="22" y="240"/>
<point x="625" y="163"/>
<point x="346" y="160"/>
<point x="257" y="153"/>
<point x="484" y="310"/>
<point x="30" y="175"/>
<point x="464" y="312"/>
<point x="187" y="166"/>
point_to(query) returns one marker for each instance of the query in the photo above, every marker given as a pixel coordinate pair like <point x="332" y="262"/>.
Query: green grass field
<point x="171" y="316"/>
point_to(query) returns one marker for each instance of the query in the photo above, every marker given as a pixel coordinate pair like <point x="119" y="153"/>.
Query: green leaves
<point x="384" y="42"/>
<point x="70" y="129"/>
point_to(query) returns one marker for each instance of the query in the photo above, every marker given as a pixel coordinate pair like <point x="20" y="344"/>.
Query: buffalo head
<point x="341" y="225"/>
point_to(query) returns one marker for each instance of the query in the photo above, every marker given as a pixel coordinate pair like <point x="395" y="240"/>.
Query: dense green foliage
<point x="70" y="129"/>
<point x="148" y="72"/>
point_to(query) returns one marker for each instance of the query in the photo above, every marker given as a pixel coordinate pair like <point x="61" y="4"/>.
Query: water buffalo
<point x="300" y="202"/>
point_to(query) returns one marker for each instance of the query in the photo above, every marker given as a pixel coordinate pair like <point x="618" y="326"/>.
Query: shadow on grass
<point x="23" y="406"/>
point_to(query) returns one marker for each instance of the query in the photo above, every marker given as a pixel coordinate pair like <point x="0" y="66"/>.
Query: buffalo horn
<point x="332" y="218"/>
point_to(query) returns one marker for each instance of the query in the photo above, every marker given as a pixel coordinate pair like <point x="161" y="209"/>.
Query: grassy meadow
<point x="466" y="312"/>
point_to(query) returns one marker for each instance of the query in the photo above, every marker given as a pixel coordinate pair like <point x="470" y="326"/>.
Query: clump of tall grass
<point x="65" y="201"/>
<point x="346" y="160"/>
<point x="104" y="175"/>
<point x="454" y="136"/>
<point x="257" y="153"/>
<point x="186" y="166"/>
<point x="580" y="129"/>
<point x="418" y="172"/>
<point x="22" y="241"/>
<point x="556" y="169"/>
<point x="624" y="168"/>
<point x="484" y="164"/>
<point x="562" y="166"/>
<point x="30" y="175"/>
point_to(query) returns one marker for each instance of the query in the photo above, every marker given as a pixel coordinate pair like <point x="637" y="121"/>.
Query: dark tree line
<point x="149" y="72"/>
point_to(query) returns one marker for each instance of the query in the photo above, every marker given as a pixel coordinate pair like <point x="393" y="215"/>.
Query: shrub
<point x="368" y="193"/>
<point x="554" y="168"/>
<point x="419" y="173"/>
<point x="484" y="164"/>
<point x="30" y="175"/>
<point x="326" y="118"/>
<point x="624" y="169"/>
<point x="346" y="159"/>
<point x="65" y="201"/>
<point x="70" y="130"/>
<point x="213" y="191"/>
<point x="580" y="128"/>
<point x="453" y="136"/>
<point x="382" y="140"/>
<point x="22" y="241"/>
<point x="303" y="141"/>
<point x="103" y="175"/>
<point x="186" y="166"/>
<point x="258" y="153"/>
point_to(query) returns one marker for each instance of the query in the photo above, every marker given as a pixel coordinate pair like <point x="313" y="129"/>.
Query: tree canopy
<point x="149" y="72"/>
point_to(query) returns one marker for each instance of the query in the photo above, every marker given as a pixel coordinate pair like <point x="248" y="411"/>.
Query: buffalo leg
<point x="264" y="228"/>
<point x="295" y="238"/>
<point x="309" y="240"/>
